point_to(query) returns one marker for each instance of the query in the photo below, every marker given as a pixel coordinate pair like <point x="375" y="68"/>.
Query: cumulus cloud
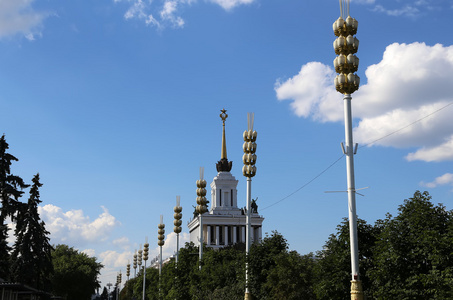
<point x="122" y="242"/>
<point x="73" y="227"/>
<point x="114" y="261"/>
<point x="411" y="82"/>
<point x="167" y="13"/>
<point x="312" y="92"/>
<point x="89" y="252"/>
<point x="446" y="179"/>
<point x="18" y="16"/>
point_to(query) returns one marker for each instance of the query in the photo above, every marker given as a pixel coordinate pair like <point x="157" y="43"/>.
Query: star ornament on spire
<point x="223" y="115"/>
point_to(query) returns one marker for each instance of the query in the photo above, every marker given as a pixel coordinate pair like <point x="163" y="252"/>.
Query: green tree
<point x="291" y="277"/>
<point x="10" y="191"/>
<point x="31" y="256"/>
<point x="413" y="256"/>
<point x="261" y="259"/>
<point x="75" y="273"/>
<point x="333" y="266"/>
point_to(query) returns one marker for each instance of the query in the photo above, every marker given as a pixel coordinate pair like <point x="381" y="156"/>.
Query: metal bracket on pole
<point x="355" y="148"/>
<point x="343" y="149"/>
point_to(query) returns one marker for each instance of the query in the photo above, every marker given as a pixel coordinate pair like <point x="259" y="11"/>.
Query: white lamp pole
<point x="201" y="209"/>
<point x="145" y="258"/>
<point x="346" y="63"/>
<point x="177" y="222"/>
<point x="249" y="170"/>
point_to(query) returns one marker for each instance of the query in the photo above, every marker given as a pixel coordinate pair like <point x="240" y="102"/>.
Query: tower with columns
<point x="224" y="224"/>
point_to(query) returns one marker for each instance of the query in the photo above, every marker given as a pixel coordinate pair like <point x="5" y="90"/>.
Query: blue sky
<point x="116" y="104"/>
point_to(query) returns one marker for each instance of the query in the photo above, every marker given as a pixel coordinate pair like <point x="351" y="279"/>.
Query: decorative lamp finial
<point x="178" y="216"/>
<point x="249" y="147"/>
<point x="201" y="194"/>
<point x="345" y="46"/>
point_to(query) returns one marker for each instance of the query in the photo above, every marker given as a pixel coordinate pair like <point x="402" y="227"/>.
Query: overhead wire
<point x="338" y="159"/>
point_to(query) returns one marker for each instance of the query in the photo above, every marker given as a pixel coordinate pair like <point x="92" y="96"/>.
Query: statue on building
<point x="254" y="206"/>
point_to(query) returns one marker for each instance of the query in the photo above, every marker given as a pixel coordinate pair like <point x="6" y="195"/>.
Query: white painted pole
<point x="201" y="241"/>
<point x="351" y="188"/>
<point x="247" y="233"/>
<point x="144" y="278"/>
<point x="160" y="262"/>
<point x="177" y="249"/>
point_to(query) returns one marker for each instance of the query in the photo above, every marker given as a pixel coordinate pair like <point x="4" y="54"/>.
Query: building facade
<point x="224" y="223"/>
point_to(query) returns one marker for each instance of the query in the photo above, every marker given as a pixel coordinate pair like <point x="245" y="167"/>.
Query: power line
<point x="332" y="164"/>
<point x="313" y="179"/>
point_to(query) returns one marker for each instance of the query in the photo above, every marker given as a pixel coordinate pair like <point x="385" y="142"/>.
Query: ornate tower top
<point x="223" y="165"/>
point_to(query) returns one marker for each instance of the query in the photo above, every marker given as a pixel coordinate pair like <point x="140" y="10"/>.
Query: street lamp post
<point x="118" y="285"/>
<point x="201" y="209"/>
<point x="346" y="82"/>
<point x="249" y="170"/>
<point x="109" y="285"/>
<point x="160" y="242"/>
<point x="135" y="263"/>
<point x="177" y="222"/>
<point x="145" y="258"/>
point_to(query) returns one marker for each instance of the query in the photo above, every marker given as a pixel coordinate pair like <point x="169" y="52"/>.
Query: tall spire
<point x="223" y="116"/>
<point x="223" y="165"/>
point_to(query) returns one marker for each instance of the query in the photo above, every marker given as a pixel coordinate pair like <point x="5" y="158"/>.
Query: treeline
<point x="32" y="260"/>
<point x="409" y="256"/>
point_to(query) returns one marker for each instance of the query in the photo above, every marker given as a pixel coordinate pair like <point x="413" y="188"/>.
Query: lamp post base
<point x="356" y="290"/>
<point x="248" y="296"/>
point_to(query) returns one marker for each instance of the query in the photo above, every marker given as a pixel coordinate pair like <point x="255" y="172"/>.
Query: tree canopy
<point x="11" y="187"/>
<point x="31" y="256"/>
<point x="75" y="273"/>
<point x="408" y="256"/>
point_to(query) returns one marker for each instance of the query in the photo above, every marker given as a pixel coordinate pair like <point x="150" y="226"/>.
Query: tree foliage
<point x="404" y="257"/>
<point x="413" y="257"/>
<point x="75" y="273"/>
<point x="222" y="275"/>
<point x="31" y="256"/>
<point x="10" y="191"/>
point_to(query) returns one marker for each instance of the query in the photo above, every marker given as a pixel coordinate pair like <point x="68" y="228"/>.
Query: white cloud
<point x="312" y="92"/>
<point x="230" y="4"/>
<point x="168" y="13"/>
<point x="407" y="10"/>
<point x="410" y="82"/>
<point x="18" y="16"/>
<point x="445" y="179"/>
<point x="122" y="242"/>
<point x="437" y="153"/>
<point x="89" y="252"/>
<point x="73" y="227"/>
<point x="114" y="261"/>
<point x="164" y="13"/>
<point x="137" y="10"/>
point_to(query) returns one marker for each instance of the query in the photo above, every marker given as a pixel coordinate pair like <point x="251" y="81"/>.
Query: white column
<point x="208" y="235"/>
<point x="234" y="235"/>
<point x="217" y="231"/>
<point x="226" y="235"/>
<point x="260" y="233"/>
<point x="243" y="234"/>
